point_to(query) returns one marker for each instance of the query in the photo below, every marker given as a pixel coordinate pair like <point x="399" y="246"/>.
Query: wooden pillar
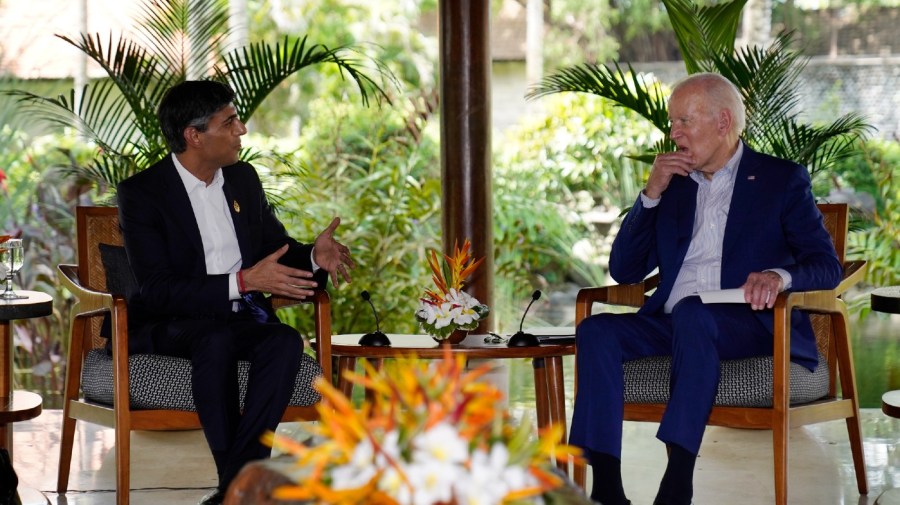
<point x="465" y="97"/>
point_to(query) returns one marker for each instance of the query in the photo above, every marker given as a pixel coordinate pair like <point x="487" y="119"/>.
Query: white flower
<point x="434" y="481"/>
<point x="490" y="478"/>
<point x="392" y="483"/>
<point x="458" y="308"/>
<point x="441" y="443"/>
<point x="358" y="471"/>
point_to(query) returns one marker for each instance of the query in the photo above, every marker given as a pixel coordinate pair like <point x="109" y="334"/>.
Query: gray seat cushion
<point x="164" y="382"/>
<point x="742" y="383"/>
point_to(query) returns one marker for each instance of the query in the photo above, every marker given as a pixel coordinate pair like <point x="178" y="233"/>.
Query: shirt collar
<point x="191" y="182"/>
<point x="729" y="170"/>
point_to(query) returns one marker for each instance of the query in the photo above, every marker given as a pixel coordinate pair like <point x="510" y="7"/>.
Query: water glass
<point x="12" y="255"/>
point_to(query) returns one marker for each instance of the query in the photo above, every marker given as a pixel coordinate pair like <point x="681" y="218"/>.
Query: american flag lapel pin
<point x="237" y="208"/>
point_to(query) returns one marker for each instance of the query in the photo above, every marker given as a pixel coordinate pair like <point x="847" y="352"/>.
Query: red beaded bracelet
<point x="240" y="281"/>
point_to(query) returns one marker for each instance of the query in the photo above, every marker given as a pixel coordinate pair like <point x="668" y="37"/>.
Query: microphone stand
<point x="375" y="338"/>
<point x="522" y="339"/>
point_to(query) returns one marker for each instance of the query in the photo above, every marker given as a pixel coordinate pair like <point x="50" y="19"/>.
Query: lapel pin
<point x="749" y="178"/>
<point x="237" y="208"/>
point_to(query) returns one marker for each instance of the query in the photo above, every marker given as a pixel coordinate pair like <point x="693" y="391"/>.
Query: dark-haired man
<point x="713" y="215"/>
<point x="204" y="244"/>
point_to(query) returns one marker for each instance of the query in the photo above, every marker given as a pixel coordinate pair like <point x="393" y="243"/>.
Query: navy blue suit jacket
<point x="773" y="222"/>
<point x="165" y="249"/>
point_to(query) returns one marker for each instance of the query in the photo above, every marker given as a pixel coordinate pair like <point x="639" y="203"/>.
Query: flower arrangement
<point x="433" y="434"/>
<point x="448" y="307"/>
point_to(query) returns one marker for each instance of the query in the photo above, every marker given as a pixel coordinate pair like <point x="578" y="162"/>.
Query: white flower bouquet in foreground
<point x="433" y="434"/>
<point x="448" y="308"/>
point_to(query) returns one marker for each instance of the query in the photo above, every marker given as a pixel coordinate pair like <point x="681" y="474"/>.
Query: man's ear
<point x="192" y="137"/>
<point x="725" y="122"/>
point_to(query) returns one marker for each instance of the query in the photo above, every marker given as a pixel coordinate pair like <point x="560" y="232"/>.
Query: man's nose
<point x="242" y="128"/>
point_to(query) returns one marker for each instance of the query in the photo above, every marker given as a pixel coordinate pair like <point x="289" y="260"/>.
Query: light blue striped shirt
<point x="702" y="266"/>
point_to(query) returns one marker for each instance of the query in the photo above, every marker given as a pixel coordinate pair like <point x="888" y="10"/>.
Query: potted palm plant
<point x="767" y="78"/>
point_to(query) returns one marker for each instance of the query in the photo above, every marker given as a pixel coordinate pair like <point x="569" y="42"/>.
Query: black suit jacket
<point x="165" y="250"/>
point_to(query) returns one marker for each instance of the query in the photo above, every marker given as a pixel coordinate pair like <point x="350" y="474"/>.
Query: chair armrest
<point x="90" y="302"/>
<point x="629" y="295"/>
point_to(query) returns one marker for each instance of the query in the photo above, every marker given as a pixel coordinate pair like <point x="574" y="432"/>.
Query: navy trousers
<point x="695" y="334"/>
<point x="214" y="348"/>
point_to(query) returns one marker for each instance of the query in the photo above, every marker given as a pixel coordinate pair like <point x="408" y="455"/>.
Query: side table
<point x="887" y="300"/>
<point x="18" y="406"/>
<point x="546" y="359"/>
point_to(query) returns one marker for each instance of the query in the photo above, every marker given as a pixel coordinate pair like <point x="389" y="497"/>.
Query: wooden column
<point x="465" y="96"/>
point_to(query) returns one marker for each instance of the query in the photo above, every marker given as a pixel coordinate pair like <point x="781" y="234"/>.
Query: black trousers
<point x="214" y="348"/>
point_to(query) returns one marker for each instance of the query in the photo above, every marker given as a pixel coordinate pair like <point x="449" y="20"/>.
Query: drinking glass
<point x="12" y="254"/>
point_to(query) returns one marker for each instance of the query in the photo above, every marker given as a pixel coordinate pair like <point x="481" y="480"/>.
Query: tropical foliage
<point x="766" y="77"/>
<point x="117" y="113"/>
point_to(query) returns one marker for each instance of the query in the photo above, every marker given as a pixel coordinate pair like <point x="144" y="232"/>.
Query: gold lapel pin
<point x="237" y="208"/>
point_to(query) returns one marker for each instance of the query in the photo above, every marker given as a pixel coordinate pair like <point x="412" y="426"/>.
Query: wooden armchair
<point x="144" y="391"/>
<point x="781" y="397"/>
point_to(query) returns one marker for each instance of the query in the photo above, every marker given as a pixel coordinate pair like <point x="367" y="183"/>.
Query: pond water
<point x="876" y="356"/>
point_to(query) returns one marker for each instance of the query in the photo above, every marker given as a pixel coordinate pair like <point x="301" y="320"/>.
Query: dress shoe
<point x="216" y="497"/>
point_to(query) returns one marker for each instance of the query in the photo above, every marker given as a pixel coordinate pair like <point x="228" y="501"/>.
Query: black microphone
<point x="522" y="339"/>
<point x="376" y="338"/>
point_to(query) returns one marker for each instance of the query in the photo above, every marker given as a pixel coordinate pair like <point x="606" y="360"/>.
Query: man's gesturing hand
<point x="331" y="255"/>
<point x="270" y="276"/>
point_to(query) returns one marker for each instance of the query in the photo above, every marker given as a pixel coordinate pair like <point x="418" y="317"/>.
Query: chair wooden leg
<point x="70" y="393"/>
<point x="859" y="461"/>
<point x="780" y="450"/>
<point x="848" y="390"/>
<point x="65" y="452"/>
<point x="123" y="465"/>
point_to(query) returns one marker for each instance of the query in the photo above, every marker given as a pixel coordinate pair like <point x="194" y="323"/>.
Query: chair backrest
<point x="95" y="225"/>
<point x="836" y="218"/>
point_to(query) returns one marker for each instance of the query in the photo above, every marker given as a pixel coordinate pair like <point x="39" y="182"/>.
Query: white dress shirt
<point x="220" y="244"/>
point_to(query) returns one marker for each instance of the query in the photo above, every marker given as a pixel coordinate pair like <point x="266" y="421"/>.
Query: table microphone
<point x="522" y="339"/>
<point x="376" y="338"/>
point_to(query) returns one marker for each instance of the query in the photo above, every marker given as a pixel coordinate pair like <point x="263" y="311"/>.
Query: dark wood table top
<point x="20" y="406"/>
<point x="886" y="299"/>
<point x="890" y="403"/>
<point x="36" y="304"/>
<point x="425" y="347"/>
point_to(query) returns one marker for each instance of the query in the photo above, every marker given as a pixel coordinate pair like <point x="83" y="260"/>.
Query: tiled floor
<point x="735" y="466"/>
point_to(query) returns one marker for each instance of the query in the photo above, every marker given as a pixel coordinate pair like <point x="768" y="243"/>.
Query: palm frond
<point x="136" y="73"/>
<point x="105" y="170"/>
<point x="703" y="31"/>
<point x="183" y="32"/>
<point x="62" y="111"/>
<point x="631" y="90"/>
<point x="819" y="147"/>
<point x="768" y="80"/>
<point x="257" y="69"/>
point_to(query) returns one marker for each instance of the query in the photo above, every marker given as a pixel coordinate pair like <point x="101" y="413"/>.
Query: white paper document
<point x="723" y="296"/>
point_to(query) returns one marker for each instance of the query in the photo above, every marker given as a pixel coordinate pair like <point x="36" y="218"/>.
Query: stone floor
<point x="735" y="466"/>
